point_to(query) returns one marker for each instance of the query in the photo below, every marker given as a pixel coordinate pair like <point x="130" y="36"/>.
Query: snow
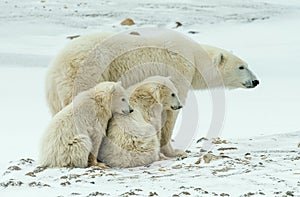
<point x="263" y="121"/>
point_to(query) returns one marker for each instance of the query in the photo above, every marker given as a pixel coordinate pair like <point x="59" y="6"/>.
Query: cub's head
<point x="234" y="71"/>
<point x="112" y="95"/>
<point x="164" y="91"/>
<point x="120" y="100"/>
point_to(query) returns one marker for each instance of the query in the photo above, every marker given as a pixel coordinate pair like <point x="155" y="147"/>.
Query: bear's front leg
<point x="168" y="151"/>
<point x="92" y="161"/>
<point x="169" y="118"/>
<point x="163" y="157"/>
<point x="96" y="138"/>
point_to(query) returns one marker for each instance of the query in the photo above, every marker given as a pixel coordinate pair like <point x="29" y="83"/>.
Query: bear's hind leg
<point x="77" y="153"/>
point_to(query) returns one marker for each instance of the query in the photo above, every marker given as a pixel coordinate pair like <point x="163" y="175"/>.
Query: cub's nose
<point x="176" y="107"/>
<point x="131" y="110"/>
<point x="255" y="83"/>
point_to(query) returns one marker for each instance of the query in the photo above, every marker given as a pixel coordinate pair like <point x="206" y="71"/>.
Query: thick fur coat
<point x="134" y="140"/>
<point x="73" y="136"/>
<point x="133" y="57"/>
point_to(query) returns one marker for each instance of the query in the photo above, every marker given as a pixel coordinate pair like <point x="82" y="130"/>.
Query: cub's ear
<point x="218" y="59"/>
<point x="113" y="88"/>
<point x="119" y="83"/>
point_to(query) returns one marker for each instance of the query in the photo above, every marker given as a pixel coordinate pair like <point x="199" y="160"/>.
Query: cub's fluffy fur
<point x="73" y="137"/>
<point x="133" y="140"/>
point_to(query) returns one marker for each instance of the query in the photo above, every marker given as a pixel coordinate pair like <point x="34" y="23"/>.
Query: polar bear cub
<point x="134" y="140"/>
<point x="73" y="137"/>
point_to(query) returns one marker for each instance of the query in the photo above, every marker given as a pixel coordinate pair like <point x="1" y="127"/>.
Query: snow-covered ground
<point x="262" y="123"/>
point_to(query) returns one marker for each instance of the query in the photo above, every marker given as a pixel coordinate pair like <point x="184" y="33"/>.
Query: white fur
<point x="132" y="58"/>
<point x="73" y="136"/>
<point x="134" y="140"/>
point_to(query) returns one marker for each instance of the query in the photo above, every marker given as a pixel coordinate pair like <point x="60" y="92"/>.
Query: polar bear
<point x="133" y="56"/>
<point x="134" y="140"/>
<point x="73" y="137"/>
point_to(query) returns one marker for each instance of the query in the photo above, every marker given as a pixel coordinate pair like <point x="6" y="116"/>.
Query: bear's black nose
<point x="255" y="83"/>
<point x="131" y="110"/>
<point x="176" y="107"/>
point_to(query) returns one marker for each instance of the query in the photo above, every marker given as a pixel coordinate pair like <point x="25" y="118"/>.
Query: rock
<point x="179" y="166"/>
<point x="178" y="24"/>
<point x="210" y="157"/>
<point x="37" y="184"/>
<point x="198" y="161"/>
<point x="14" y="168"/>
<point x="193" y="32"/>
<point x="202" y="139"/>
<point x="72" y="37"/>
<point x="30" y="174"/>
<point x="153" y="194"/>
<point x="75" y="194"/>
<point x="134" y="33"/>
<point x="185" y="193"/>
<point x="65" y="183"/>
<point x="227" y="148"/>
<point x="219" y="141"/>
<point x="128" y="22"/>
<point x="97" y="194"/>
<point x="11" y="182"/>
<point x="224" y="194"/>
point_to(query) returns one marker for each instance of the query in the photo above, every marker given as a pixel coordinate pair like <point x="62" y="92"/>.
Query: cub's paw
<point x="101" y="165"/>
<point x="180" y="153"/>
<point x="163" y="157"/>
<point x="169" y="152"/>
<point x="92" y="161"/>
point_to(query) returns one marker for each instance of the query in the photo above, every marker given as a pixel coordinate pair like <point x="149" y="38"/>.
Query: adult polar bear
<point x="135" y="55"/>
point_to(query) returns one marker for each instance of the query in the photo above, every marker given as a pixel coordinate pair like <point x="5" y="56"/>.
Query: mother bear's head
<point x="233" y="70"/>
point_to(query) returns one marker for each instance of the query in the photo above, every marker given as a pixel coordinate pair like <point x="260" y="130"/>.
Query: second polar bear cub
<point x="134" y="140"/>
<point x="73" y="137"/>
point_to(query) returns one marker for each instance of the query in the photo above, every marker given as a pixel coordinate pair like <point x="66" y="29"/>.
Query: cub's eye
<point x="173" y="95"/>
<point x="241" y="67"/>
<point x="123" y="99"/>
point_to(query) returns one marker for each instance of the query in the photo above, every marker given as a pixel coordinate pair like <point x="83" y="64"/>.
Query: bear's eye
<point x="241" y="67"/>
<point x="123" y="99"/>
<point x="173" y="95"/>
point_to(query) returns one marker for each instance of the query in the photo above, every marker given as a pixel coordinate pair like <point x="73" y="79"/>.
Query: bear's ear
<point x="113" y="88"/>
<point x="218" y="59"/>
<point x="119" y="83"/>
<point x="169" y="78"/>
